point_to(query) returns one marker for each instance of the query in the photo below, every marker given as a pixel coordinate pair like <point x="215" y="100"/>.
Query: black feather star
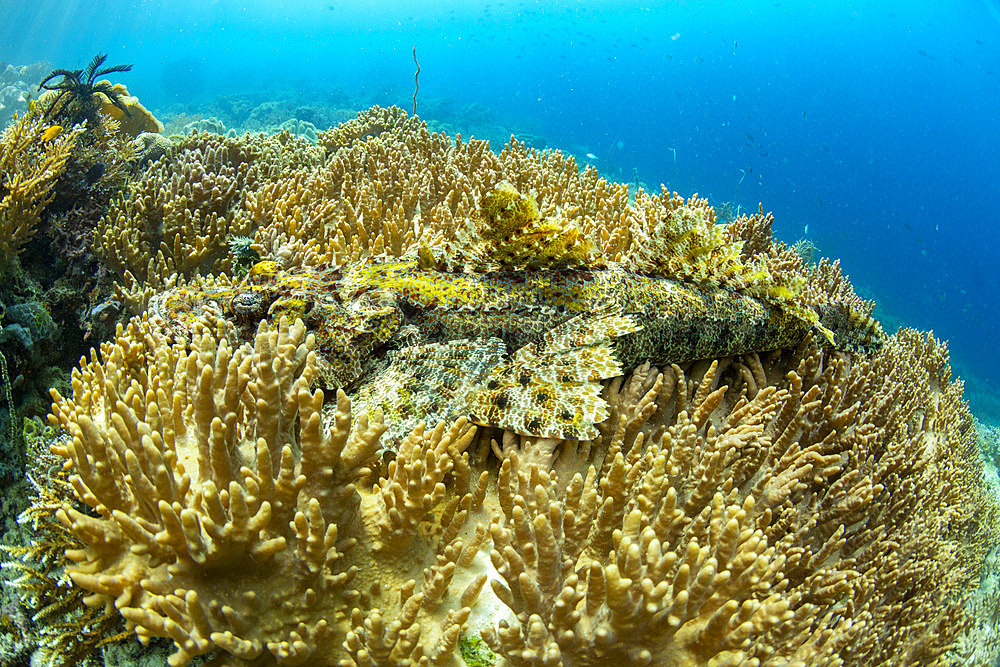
<point x="75" y="101"/>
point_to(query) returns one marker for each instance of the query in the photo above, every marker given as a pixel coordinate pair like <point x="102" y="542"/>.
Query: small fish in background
<point x="591" y="156"/>
<point x="51" y="133"/>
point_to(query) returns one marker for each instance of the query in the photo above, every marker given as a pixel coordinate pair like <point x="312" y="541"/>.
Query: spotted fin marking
<point x="550" y="388"/>
<point x="428" y="382"/>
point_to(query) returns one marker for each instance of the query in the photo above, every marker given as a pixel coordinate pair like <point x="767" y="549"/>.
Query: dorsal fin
<point x="509" y="234"/>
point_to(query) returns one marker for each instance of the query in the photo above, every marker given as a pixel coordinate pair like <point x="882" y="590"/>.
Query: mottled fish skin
<point x="516" y="320"/>
<point x="680" y="322"/>
<point x="401" y="336"/>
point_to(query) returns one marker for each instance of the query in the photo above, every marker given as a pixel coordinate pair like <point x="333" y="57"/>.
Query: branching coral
<point x="772" y="515"/>
<point x="220" y="485"/>
<point x="367" y="125"/>
<point x="389" y="185"/>
<point x="33" y="155"/>
<point x="175" y="221"/>
<point x="799" y="507"/>
<point x="63" y="631"/>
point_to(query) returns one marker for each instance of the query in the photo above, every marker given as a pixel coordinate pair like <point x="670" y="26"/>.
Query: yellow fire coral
<point x="33" y="155"/>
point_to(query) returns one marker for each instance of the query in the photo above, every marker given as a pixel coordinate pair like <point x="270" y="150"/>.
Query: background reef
<point x="789" y="505"/>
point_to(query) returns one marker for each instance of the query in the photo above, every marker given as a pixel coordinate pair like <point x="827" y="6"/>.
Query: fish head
<point x="252" y="298"/>
<point x="351" y="322"/>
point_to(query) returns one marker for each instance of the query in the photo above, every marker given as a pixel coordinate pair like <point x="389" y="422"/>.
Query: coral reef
<point x="820" y="503"/>
<point x="33" y="155"/>
<point x="300" y="111"/>
<point x="56" y="179"/>
<point x="59" y="630"/>
<point x="183" y="125"/>
<point x="17" y="86"/>
<point x="174" y="222"/>
<point x="800" y="507"/>
<point x="743" y="509"/>
<point x="980" y="644"/>
<point x="150" y="146"/>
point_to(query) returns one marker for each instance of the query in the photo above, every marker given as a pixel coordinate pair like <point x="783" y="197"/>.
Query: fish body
<point x="505" y="346"/>
<point x="51" y="132"/>
<point x="516" y="321"/>
<point x="679" y="321"/>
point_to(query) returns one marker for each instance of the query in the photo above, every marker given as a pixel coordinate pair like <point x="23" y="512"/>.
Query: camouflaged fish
<point x="522" y="341"/>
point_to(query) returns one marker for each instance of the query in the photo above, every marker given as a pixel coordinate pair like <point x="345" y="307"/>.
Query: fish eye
<point x="247" y="305"/>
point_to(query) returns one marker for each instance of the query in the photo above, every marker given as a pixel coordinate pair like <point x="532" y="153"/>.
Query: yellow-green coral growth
<point x="33" y="155"/>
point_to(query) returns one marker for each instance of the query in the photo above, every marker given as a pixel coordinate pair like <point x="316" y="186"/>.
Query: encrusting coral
<point x="819" y="503"/>
<point x="133" y="118"/>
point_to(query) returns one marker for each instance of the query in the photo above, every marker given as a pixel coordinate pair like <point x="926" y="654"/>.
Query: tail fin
<point x="853" y="330"/>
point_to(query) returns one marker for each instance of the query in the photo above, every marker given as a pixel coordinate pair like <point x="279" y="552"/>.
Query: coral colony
<point x="392" y="398"/>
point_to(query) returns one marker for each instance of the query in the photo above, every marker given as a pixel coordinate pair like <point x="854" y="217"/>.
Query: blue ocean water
<point x="869" y="128"/>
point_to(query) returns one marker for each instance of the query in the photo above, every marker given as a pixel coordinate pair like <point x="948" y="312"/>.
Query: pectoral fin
<point x="429" y="383"/>
<point x="551" y="388"/>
